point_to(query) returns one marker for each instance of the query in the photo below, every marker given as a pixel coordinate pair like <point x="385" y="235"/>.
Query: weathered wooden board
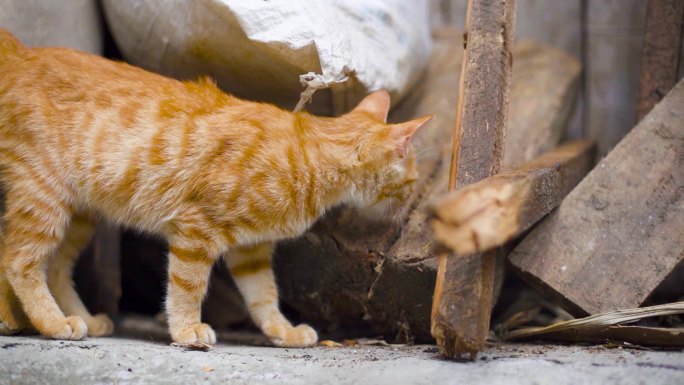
<point x="539" y="69"/>
<point x="353" y="276"/>
<point x="500" y="208"/>
<point x="621" y="230"/>
<point x="464" y="289"/>
<point x="660" y="55"/>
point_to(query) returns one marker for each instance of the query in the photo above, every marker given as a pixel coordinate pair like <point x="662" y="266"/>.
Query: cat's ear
<point x="403" y="132"/>
<point x="377" y="104"/>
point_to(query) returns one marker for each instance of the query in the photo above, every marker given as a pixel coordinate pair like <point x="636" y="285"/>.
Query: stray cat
<point x="218" y="177"/>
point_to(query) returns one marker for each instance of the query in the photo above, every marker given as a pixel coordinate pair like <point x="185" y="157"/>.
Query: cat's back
<point x="46" y="93"/>
<point x="56" y="70"/>
<point x="67" y="115"/>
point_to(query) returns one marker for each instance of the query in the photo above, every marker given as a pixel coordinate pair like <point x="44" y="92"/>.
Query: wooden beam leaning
<point x="618" y="234"/>
<point x="464" y="289"/>
<point x="660" y="54"/>
<point x="497" y="209"/>
<point x="544" y="87"/>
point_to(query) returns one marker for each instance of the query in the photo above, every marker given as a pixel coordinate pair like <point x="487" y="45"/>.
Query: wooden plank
<point x="537" y="124"/>
<point x="618" y="234"/>
<point x="660" y="55"/>
<point x="497" y="209"/>
<point x="464" y="288"/>
<point x="559" y="25"/>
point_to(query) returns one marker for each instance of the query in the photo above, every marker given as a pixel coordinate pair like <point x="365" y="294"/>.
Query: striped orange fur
<point x="217" y="176"/>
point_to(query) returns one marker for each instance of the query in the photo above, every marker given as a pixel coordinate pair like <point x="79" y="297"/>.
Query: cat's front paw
<point x="287" y="336"/>
<point x="100" y="325"/>
<point x="69" y="328"/>
<point x="201" y="332"/>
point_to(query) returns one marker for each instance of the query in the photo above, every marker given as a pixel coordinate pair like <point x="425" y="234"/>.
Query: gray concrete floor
<point x="34" y="360"/>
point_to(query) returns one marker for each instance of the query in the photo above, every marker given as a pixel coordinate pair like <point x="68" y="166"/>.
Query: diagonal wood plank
<point x="620" y="231"/>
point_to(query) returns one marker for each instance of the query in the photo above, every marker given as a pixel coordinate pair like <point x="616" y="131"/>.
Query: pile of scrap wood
<point x="596" y="240"/>
<point x="614" y="238"/>
<point x="627" y="212"/>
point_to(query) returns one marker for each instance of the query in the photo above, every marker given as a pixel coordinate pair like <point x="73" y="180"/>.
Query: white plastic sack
<point x="258" y="49"/>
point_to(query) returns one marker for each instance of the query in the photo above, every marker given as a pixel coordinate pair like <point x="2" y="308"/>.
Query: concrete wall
<point x="614" y="37"/>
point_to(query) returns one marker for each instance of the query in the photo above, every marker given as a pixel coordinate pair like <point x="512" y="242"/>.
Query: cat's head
<point x="385" y="168"/>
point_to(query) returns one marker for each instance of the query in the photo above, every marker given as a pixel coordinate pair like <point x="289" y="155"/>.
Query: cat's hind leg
<point x="35" y="228"/>
<point x="253" y="275"/>
<point x="60" y="280"/>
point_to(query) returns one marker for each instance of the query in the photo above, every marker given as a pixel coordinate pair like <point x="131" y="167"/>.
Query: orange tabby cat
<point x="215" y="175"/>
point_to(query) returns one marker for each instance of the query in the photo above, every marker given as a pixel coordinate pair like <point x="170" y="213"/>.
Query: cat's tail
<point x="9" y="45"/>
